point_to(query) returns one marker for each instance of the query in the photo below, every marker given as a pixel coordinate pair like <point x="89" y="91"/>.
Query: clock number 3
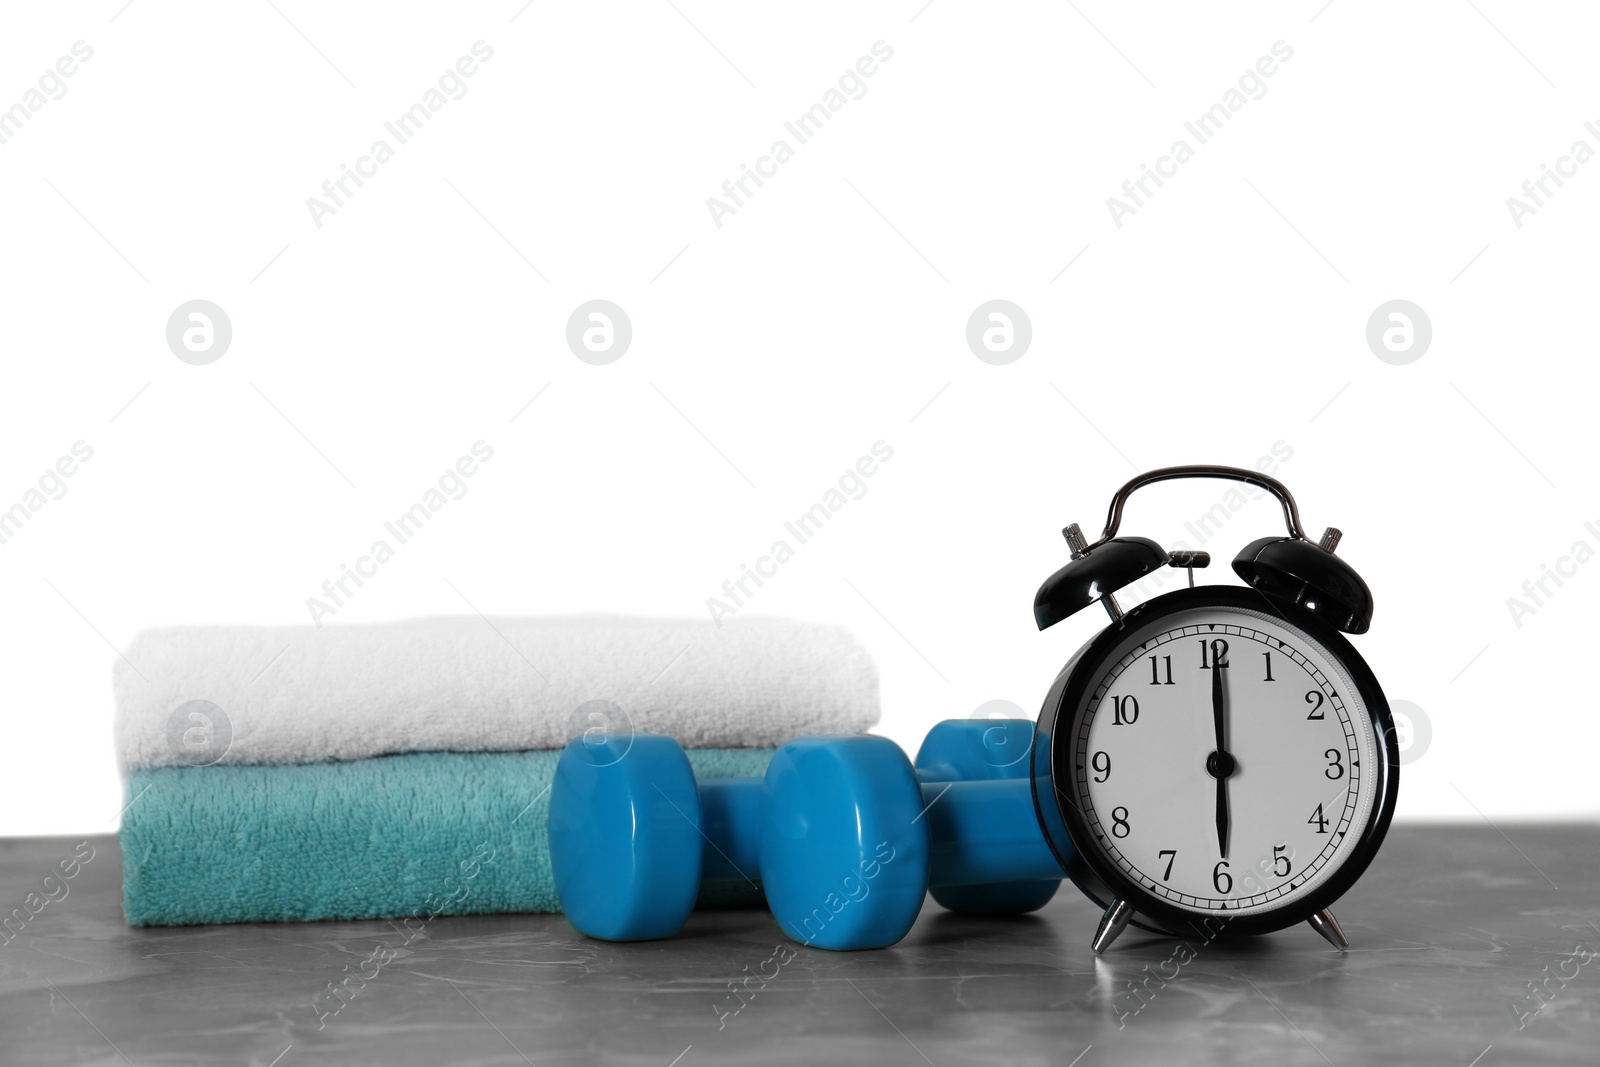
<point x="1335" y="768"/>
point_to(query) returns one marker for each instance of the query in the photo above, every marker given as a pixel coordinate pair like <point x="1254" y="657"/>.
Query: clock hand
<point x="1222" y="817"/>
<point x="1216" y="703"/>
<point x="1220" y="764"/>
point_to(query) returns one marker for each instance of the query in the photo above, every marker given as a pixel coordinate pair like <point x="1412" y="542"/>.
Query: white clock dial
<point x="1305" y="763"/>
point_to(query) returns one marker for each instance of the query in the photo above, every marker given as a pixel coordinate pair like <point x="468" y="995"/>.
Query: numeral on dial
<point x="1221" y="879"/>
<point x="1263" y="860"/>
<point x="1171" y="854"/>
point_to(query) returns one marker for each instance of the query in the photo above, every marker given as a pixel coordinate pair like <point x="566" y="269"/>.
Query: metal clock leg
<point x="1325" y="924"/>
<point x="1114" y="921"/>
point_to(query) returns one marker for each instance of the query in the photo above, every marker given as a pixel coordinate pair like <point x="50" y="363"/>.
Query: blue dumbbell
<point x="843" y="834"/>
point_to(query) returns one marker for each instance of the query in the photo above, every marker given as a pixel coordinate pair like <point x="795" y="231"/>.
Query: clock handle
<point x="1291" y="514"/>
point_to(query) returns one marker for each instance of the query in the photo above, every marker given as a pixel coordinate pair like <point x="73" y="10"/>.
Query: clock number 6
<point x="1221" y="879"/>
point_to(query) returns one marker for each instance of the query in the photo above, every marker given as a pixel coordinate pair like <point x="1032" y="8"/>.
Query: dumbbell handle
<point x="981" y="832"/>
<point x="985" y="832"/>
<point x="730" y="819"/>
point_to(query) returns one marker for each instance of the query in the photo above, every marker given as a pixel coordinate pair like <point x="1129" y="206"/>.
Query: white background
<point x="828" y="313"/>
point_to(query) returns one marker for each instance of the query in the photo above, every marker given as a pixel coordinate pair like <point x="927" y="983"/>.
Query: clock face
<point x="1252" y="821"/>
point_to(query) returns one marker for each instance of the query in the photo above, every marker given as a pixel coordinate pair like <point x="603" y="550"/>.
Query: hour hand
<point x="1222" y="816"/>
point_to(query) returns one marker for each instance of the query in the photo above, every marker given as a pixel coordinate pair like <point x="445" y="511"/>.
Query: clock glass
<point x="1223" y="761"/>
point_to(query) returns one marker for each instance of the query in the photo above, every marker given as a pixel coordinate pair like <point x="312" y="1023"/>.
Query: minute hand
<point x="1216" y="705"/>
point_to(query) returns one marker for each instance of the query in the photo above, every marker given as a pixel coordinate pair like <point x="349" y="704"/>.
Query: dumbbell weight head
<point x="844" y="850"/>
<point x="625" y="841"/>
<point x="978" y="750"/>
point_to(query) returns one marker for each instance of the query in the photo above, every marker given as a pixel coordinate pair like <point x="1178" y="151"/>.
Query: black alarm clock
<point x="1219" y="760"/>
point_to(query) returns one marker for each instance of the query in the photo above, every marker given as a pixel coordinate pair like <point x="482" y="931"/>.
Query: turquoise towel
<point x="410" y="836"/>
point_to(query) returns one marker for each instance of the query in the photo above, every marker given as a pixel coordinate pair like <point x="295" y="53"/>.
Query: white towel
<point x="475" y="684"/>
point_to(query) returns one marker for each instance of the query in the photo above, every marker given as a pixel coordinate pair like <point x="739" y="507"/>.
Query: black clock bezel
<point x="1064" y="823"/>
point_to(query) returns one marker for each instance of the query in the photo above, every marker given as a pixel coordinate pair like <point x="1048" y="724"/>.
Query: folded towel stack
<point x="403" y="770"/>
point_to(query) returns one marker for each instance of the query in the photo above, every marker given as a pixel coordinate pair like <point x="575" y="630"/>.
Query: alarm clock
<point x="1219" y="760"/>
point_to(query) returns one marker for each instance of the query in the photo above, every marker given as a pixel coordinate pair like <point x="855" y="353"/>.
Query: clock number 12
<point x="1218" y="650"/>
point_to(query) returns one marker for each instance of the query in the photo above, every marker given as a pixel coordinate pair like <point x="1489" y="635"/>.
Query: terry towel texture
<point x="402" y="770"/>
<point x="404" y="837"/>
<point x="469" y="684"/>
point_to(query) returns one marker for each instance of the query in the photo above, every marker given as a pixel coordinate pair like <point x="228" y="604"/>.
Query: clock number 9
<point x="1119" y="822"/>
<point x="1335" y="769"/>
<point x="1125" y="711"/>
<point x="1102" y="765"/>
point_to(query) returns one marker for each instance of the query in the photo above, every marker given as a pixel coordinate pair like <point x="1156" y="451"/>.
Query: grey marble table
<point x="1469" y="946"/>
